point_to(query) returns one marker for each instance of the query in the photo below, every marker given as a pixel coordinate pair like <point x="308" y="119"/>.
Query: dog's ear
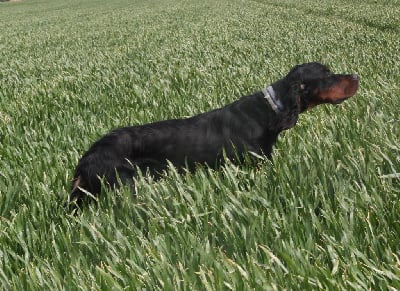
<point x="305" y="97"/>
<point x="296" y="89"/>
<point x="292" y="106"/>
<point x="288" y="94"/>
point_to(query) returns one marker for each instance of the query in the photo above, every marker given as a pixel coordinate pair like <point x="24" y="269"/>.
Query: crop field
<point x="324" y="215"/>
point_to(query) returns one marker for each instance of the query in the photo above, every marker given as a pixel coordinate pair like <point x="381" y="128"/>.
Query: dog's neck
<point x="270" y="96"/>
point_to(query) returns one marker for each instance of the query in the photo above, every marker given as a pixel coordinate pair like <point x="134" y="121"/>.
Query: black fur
<point x="248" y="124"/>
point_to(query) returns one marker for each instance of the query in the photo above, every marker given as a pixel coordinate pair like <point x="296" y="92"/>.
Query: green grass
<point x="324" y="215"/>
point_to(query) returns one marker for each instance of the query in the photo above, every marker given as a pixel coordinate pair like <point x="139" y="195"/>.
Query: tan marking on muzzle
<point x="343" y="89"/>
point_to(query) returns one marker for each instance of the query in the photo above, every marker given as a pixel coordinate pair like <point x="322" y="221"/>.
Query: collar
<point x="270" y="96"/>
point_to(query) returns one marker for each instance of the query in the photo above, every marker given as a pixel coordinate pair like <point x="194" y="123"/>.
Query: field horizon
<point x="324" y="215"/>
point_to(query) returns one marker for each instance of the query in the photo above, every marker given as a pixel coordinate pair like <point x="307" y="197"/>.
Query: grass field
<point x="325" y="215"/>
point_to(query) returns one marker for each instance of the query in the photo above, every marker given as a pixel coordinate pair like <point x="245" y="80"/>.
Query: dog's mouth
<point x="340" y="100"/>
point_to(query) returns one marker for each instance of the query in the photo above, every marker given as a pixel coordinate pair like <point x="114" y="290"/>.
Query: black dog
<point x="250" y="124"/>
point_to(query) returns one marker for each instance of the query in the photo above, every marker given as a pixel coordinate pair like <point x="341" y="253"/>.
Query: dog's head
<point x="314" y="84"/>
<point x="308" y="85"/>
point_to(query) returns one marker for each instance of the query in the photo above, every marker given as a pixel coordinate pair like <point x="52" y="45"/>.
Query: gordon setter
<point x="250" y="124"/>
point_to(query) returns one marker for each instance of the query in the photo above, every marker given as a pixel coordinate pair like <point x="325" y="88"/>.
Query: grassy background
<point x="325" y="215"/>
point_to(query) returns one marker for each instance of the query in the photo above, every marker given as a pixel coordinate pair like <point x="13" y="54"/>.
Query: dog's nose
<point x="355" y="77"/>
